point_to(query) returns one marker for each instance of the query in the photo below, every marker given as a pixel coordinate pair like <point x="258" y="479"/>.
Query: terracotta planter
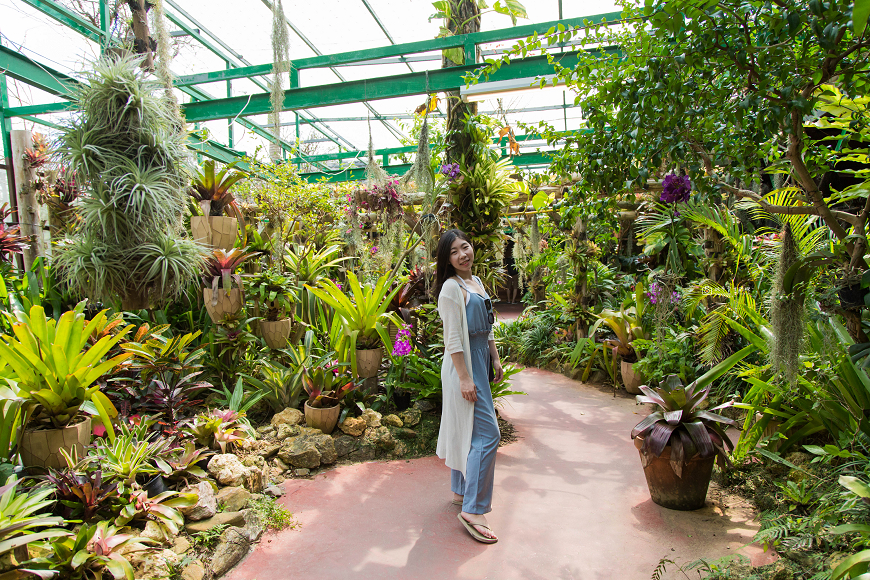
<point x="226" y="304"/>
<point x="214" y="231"/>
<point x="323" y="419"/>
<point x="688" y="492"/>
<point x="631" y="379"/>
<point x="276" y="333"/>
<point x="368" y="361"/>
<point x="42" y="448"/>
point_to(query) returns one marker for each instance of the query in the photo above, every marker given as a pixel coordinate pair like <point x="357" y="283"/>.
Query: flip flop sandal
<point x="456" y="501"/>
<point x="474" y="533"/>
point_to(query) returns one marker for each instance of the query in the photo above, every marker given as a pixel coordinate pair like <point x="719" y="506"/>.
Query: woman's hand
<point x="498" y="371"/>
<point x="469" y="391"/>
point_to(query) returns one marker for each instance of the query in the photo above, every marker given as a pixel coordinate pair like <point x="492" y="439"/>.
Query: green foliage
<point x="675" y="357"/>
<point x="273" y="515"/>
<point x="208" y="539"/>
<point x="128" y="150"/>
<point x="54" y="366"/>
<point x="22" y="516"/>
<point x="212" y="190"/>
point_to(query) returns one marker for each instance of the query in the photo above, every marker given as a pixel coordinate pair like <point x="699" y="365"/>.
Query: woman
<point x="469" y="433"/>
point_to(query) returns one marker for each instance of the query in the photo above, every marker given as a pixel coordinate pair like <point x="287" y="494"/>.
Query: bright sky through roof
<point x="330" y="25"/>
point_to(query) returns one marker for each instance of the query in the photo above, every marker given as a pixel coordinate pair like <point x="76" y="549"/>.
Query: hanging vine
<point x="280" y="66"/>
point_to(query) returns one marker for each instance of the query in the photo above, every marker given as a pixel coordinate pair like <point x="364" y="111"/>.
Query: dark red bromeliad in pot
<point x="679" y="442"/>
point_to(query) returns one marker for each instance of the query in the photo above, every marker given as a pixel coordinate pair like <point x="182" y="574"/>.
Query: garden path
<point x="570" y="502"/>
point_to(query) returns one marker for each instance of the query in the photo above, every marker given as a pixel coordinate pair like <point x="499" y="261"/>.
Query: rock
<point x="363" y="453"/>
<point x="154" y="532"/>
<point x="255" y="478"/>
<point x="253" y="525"/>
<point x="282" y="467"/>
<point x="206" y="505"/>
<point x="410" y="417"/>
<point x="780" y="570"/>
<point x="267" y="450"/>
<point x="233" y="499"/>
<point x="372" y="418"/>
<point x="285" y="431"/>
<point x="274" y="491"/>
<point x="302" y="472"/>
<point x="254" y="461"/>
<point x="353" y="426"/>
<point x="227" y="469"/>
<point x="392" y="421"/>
<point x="400" y="449"/>
<point x="799" y="458"/>
<point x="193" y="571"/>
<point x="288" y="416"/>
<point x="310" y="431"/>
<point x="228" y="518"/>
<point x="181" y="545"/>
<point x="405" y="433"/>
<point x="326" y="447"/>
<point x="300" y="452"/>
<point x="379" y="438"/>
<point x="233" y="546"/>
<point x="265" y="430"/>
<point x="424" y="406"/>
<point x="345" y="444"/>
<point x="152" y="564"/>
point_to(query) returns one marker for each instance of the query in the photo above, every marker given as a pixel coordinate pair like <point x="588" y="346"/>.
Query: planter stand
<point x="41" y="448"/>
<point x="214" y="231"/>
<point x="226" y="304"/>
<point x="276" y="333"/>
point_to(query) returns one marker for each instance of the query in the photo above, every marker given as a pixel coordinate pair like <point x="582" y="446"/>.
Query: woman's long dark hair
<point x="444" y="268"/>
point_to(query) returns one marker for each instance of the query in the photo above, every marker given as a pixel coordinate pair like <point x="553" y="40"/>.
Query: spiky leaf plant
<point x="787" y="307"/>
<point x="125" y="148"/>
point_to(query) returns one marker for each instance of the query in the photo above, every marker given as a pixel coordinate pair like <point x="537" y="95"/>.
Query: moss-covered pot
<point x="323" y="419"/>
<point x="687" y="492"/>
<point x="41" y="448"/>
<point x="368" y="361"/>
<point x="227" y="304"/>
<point x="276" y="332"/>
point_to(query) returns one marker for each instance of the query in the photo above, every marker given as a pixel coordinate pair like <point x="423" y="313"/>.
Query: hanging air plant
<point x="280" y="66"/>
<point x="521" y="255"/>
<point x="164" y="58"/>
<point x="787" y="308"/>
<point x="535" y="237"/>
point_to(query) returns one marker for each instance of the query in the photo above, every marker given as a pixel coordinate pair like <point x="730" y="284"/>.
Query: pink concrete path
<point x="570" y="503"/>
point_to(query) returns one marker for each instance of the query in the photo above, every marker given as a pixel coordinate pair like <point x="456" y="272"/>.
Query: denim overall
<point x="476" y="486"/>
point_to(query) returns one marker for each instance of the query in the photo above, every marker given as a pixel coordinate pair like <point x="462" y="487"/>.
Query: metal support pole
<point x="298" y="163"/>
<point x="229" y="121"/>
<point x="5" y="123"/>
<point x="105" y="27"/>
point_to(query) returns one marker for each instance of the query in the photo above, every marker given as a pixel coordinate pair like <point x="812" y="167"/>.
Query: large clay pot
<point x="41" y="448"/>
<point x="631" y="379"/>
<point x="214" y="231"/>
<point x="227" y="304"/>
<point x="275" y="333"/>
<point x="368" y="361"/>
<point x="323" y="419"/>
<point x="688" y="492"/>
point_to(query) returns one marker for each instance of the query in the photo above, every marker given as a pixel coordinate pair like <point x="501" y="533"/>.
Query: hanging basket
<point x="214" y="231"/>
<point x="276" y="332"/>
<point x="226" y="305"/>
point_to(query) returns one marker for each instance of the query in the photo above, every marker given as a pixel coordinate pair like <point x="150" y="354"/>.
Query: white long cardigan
<point x="457" y="414"/>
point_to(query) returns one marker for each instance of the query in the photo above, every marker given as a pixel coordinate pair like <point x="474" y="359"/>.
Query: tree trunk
<point x="466" y="19"/>
<point x="143" y="43"/>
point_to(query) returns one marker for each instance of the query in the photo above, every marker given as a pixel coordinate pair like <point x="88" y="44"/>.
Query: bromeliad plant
<point x="212" y="190"/>
<point x="219" y="268"/>
<point x="681" y="423"/>
<point x="55" y="369"/>
<point x="11" y="240"/>
<point x="326" y="383"/>
<point x="362" y="317"/>
<point x="218" y="428"/>
<point x="273" y="292"/>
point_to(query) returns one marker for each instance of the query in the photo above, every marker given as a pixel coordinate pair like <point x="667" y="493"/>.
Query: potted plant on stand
<point x="363" y="320"/>
<point x="221" y="299"/>
<point x="53" y="369"/>
<point x="212" y="191"/>
<point x="273" y="293"/>
<point x="679" y="442"/>
<point x="326" y="384"/>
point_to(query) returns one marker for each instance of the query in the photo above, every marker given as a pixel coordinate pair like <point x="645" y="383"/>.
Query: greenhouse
<point x="434" y="289"/>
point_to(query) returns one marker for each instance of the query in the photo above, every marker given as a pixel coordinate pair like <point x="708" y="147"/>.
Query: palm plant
<point x="130" y="158"/>
<point x="212" y="190"/>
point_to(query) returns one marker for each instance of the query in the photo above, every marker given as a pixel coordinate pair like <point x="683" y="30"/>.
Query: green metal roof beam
<point x="68" y="18"/>
<point x="358" y="174"/>
<point x="410" y="47"/>
<point x="26" y="70"/>
<point x="371" y="89"/>
<point x="384" y="29"/>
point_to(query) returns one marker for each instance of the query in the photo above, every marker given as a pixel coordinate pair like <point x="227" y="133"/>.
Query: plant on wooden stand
<point x="212" y="191"/>
<point x="326" y="383"/>
<point x="219" y="275"/>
